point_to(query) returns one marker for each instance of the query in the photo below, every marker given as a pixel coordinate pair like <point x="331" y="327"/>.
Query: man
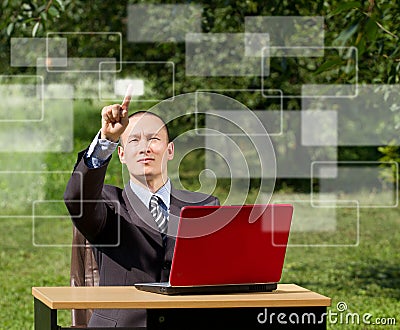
<point x="131" y="230"/>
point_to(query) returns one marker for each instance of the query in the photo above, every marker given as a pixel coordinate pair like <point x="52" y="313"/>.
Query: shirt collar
<point x="144" y="194"/>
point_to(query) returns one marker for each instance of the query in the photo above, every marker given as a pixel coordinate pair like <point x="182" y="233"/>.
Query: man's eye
<point x="154" y="138"/>
<point x="133" y="140"/>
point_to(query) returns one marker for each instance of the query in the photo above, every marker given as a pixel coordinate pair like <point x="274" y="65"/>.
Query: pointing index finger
<point x="127" y="98"/>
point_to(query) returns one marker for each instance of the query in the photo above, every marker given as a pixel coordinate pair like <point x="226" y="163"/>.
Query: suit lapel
<point x="140" y="214"/>
<point x="174" y="212"/>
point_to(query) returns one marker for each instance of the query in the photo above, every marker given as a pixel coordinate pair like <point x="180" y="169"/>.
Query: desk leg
<point x="305" y="318"/>
<point x="45" y="318"/>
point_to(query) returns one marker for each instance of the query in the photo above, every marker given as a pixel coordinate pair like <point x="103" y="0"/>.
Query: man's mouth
<point x="145" y="160"/>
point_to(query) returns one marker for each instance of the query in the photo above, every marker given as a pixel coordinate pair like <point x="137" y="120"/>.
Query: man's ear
<point x="121" y="154"/>
<point x="170" y="150"/>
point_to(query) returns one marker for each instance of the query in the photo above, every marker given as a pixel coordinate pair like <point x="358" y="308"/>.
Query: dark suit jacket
<point x="127" y="246"/>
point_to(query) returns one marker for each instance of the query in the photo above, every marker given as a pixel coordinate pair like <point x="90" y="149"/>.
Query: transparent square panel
<point x="290" y="35"/>
<point x="78" y="65"/>
<point x="244" y="123"/>
<point x="336" y="71"/>
<point x="58" y="92"/>
<point x="308" y="217"/>
<point x="255" y="43"/>
<point x="52" y="134"/>
<point x="59" y="227"/>
<point x="50" y="209"/>
<point x="371" y="184"/>
<point x="319" y="128"/>
<point x="221" y="54"/>
<point x="327" y="223"/>
<point x="293" y="159"/>
<point x="121" y="86"/>
<point x="145" y="88"/>
<point x="25" y="51"/>
<point x="163" y="22"/>
<point x="77" y="59"/>
<point x="370" y="119"/>
<point x="85" y="86"/>
<point x="20" y="189"/>
<point x="280" y="156"/>
<point x="314" y="91"/>
<point x="53" y="216"/>
<point x="227" y="111"/>
<point x="21" y="99"/>
<point x="240" y="156"/>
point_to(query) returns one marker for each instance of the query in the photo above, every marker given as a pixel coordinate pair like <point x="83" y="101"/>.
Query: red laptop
<point x="228" y="249"/>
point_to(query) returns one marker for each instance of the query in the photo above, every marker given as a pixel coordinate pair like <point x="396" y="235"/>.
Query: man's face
<point x="146" y="149"/>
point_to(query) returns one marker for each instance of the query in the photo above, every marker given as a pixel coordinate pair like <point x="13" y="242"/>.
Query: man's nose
<point x="144" y="146"/>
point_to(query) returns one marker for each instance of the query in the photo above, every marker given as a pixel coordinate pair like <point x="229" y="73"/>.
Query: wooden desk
<point x="289" y="305"/>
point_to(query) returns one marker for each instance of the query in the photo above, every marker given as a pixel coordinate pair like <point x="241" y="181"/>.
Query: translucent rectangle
<point x="244" y="123"/>
<point x="58" y="92"/>
<point x="20" y="102"/>
<point x="163" y="22"/>
<point x="21" y="98"/>
<point x="322" y="90"/>
<point x="252" y="155"/>
<point x="51" y="232"/>
<point x="21" y="188"/>
<point x="220" y="54"/>
<point x="52" y="216"/>
<point x="80" y="64"/>
<point x="365" y="182"/>
<point x="290" y="36"/>
<point x="25" y="51"/>
<point x="234" y="157"/>
<point x="53" y="134"/>
<point x="152" y="92"/>
<point x="225" y="113"/>
<point x="370" y="119"/>
<point x="319" y="128"/>
<point x="293" y="159"/>
<point x="121" y="86"/>
<point x="339" y="64"/>
<point x="91" y="40"/>
<point x="307" y="218"/>
<point x="255" y="43"/>
<point x="338" y="221"/>
<point x="86" y="86"/>
<point x="50" y="209"/>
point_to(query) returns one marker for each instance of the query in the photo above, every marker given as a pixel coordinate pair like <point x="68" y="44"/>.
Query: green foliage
<point x="25" y="16"/>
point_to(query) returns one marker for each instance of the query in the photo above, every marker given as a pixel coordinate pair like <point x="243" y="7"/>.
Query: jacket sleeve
<point x="83" y="198"/>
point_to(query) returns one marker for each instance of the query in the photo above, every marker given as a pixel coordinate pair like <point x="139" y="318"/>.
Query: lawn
<point x="365" y="275"/>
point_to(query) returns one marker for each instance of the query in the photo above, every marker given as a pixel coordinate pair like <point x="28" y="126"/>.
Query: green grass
<point x="366" y="277"/>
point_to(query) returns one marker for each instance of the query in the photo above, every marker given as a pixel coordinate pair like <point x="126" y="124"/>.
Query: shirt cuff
<point x="99" y="152"/>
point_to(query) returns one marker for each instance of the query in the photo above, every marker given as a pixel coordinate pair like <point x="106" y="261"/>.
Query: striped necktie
<point x="158" y="215"/>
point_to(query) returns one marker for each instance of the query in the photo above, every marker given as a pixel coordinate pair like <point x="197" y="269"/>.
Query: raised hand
<point x="114" y="118"/>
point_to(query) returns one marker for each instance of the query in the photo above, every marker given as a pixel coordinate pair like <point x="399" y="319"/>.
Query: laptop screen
<point x="219" y="245"/>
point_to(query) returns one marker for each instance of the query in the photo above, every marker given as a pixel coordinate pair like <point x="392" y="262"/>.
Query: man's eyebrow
<point x="133" y="135"/>
<point x="150" y="134"/>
